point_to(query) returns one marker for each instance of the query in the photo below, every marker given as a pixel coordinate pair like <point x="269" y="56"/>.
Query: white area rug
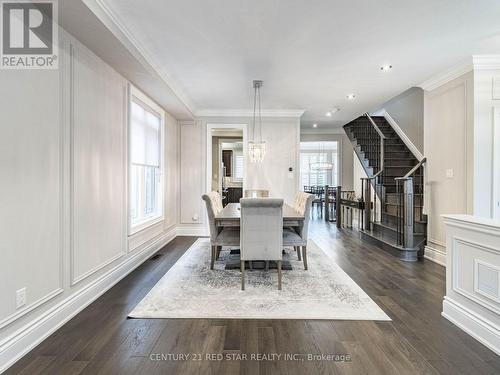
<point x="191" y="290"/>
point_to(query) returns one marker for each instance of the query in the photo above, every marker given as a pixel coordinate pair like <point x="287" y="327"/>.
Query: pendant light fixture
<point x="321" y="165"/>
<point x="256" y="148"/>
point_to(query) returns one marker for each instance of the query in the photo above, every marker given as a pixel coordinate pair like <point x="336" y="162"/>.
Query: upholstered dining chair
<point x="261" y="232"/>
<point x="218" y="237"/>
<point x="297" y="237"/>
<point x="256" y="193"/>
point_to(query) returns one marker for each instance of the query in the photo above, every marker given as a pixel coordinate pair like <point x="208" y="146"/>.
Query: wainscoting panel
<point x="472" y="298"/>
<point x="191" y="174"/>
<point x="98" y="159"/>
<point x="30" y="190"/>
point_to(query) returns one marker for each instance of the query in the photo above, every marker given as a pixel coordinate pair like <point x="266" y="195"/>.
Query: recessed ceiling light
<point x="315" y="125"/>
<point x="350" y="97"/>
<point x="386" y="68"/>
<point x="332" y="111"/>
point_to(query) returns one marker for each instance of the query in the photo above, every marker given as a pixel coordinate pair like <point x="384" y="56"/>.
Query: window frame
<point x="333" y="155"/>
<point x="137" y="96"/>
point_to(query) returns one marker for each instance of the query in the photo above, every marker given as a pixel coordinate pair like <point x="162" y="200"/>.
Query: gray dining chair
<point x="256" y="193"/>
<point x="261" y="232"/>
<point x="218" y="236"/>
<point x="297" y="236"/>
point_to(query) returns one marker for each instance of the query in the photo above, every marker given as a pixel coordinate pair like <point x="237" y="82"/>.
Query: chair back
<point x="213" y="201"/>
<point x="303" y="202"/>
<point x="256" y="193"/>
<point x="261" y="229"/>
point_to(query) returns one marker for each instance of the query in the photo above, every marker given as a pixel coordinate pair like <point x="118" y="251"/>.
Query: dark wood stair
<point x="398" y="161"/>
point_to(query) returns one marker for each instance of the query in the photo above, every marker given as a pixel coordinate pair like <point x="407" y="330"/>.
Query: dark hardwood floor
<point x="101" y="340"/>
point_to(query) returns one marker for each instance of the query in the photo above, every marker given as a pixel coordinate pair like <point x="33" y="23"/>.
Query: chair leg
<point x="250" y="265"/>
<point x="298" y="252"/>
<point x="304" y="255"/>
<point x="279" y="274"/>
<point x="212" y="260"/>
<point x="219" y="248"/>
<point x="242" y="268"/>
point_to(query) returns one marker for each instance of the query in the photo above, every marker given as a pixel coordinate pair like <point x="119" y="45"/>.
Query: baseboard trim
<point x="484" y="331"/>
<point x="18" y="344"/>
<point x="192" y="230"/>
<point x="435" y="255"/>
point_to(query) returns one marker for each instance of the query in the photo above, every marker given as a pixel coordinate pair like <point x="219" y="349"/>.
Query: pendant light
<point x="256" y="149"/>
<point x="321" y="165"/>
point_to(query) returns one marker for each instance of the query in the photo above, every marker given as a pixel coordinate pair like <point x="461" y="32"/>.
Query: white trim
<point x="148" y="104"/>
<point x="109" y="18"/>
<point x="486" y="61"/>
<point x="336" y="131"/>
<point x="496" y="163"/>
<point x="18" y="344"/>
<point x="435" y="255"/>
<point x="249" y="113"/>
<point x="477" y="263"/>
<point x="414" y="150"/>
<point x="484" y="331"/>
<point x="486" y="303"/>
<point x="208" y="136"/>
<point x="446" y="76"/>
<point x="195" y="230"/>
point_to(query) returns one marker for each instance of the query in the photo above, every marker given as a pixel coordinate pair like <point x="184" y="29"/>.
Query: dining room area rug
<point x="190" y="289"/>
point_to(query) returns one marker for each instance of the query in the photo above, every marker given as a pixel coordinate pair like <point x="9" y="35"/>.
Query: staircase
<point x="393" y="192"/>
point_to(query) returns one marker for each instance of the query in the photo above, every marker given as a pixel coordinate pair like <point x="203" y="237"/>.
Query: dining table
<point x="230" y="216"/>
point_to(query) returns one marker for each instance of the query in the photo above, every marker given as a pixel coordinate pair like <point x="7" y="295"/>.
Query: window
<point x="312" y="152"/>
<point x="146" y="162"/>
<point x="238" y="167"/>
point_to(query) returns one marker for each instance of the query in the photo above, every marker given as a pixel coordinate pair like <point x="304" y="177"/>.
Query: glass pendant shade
<point x="256" y="148"/>
<point x="321" y="166"/>
<point x="256" y="151"/>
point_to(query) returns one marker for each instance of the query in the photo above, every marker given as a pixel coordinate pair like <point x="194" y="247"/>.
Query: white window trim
<point x="134" y="92"/>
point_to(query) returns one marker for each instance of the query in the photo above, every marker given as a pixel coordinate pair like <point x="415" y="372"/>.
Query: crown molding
<point x="295" y="113"/>
<point x="486" y="61"/>
<point x="447" y="75"/>
<point x="109" y="18"/>
<point x="335" y="131"/>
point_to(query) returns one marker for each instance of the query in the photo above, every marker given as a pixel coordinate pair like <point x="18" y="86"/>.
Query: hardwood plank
<point x="101" y="340"/>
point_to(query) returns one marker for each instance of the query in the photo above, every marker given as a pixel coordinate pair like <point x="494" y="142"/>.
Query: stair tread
<point x="416" y="221"/>
<point x="388" y="226"/>
<point x="395" y="204"/>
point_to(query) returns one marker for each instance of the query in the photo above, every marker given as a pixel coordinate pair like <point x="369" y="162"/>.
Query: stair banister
<point x="376" y="177"/>
<point x="382" y="139"/>
<point x="406" y="206"/>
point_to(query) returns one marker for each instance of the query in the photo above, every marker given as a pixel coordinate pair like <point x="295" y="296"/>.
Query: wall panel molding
<point x="15" y="346"/>
<point x="87" y="71"/>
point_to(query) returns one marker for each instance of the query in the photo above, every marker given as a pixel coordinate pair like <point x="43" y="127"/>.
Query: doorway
<point x="226" y="160"/>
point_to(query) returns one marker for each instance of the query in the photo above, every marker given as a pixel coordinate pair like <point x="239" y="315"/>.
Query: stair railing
<point x="407" y="209"/>
<point x="374" y="146"/>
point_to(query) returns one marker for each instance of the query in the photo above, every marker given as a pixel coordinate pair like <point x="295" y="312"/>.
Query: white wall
<point x="282" y="137"/>
<point x="448" y="146"/>
<point x="63" y="144"/>
<point x="486" y="142"/>
<point x="407" y="109"/>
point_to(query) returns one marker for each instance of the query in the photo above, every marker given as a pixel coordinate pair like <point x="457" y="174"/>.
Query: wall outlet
<point x="449" y="173"/>
<point x="20" y="298"/>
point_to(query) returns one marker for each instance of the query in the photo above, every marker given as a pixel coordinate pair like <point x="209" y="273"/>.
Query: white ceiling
<point x="310" y="54"/>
